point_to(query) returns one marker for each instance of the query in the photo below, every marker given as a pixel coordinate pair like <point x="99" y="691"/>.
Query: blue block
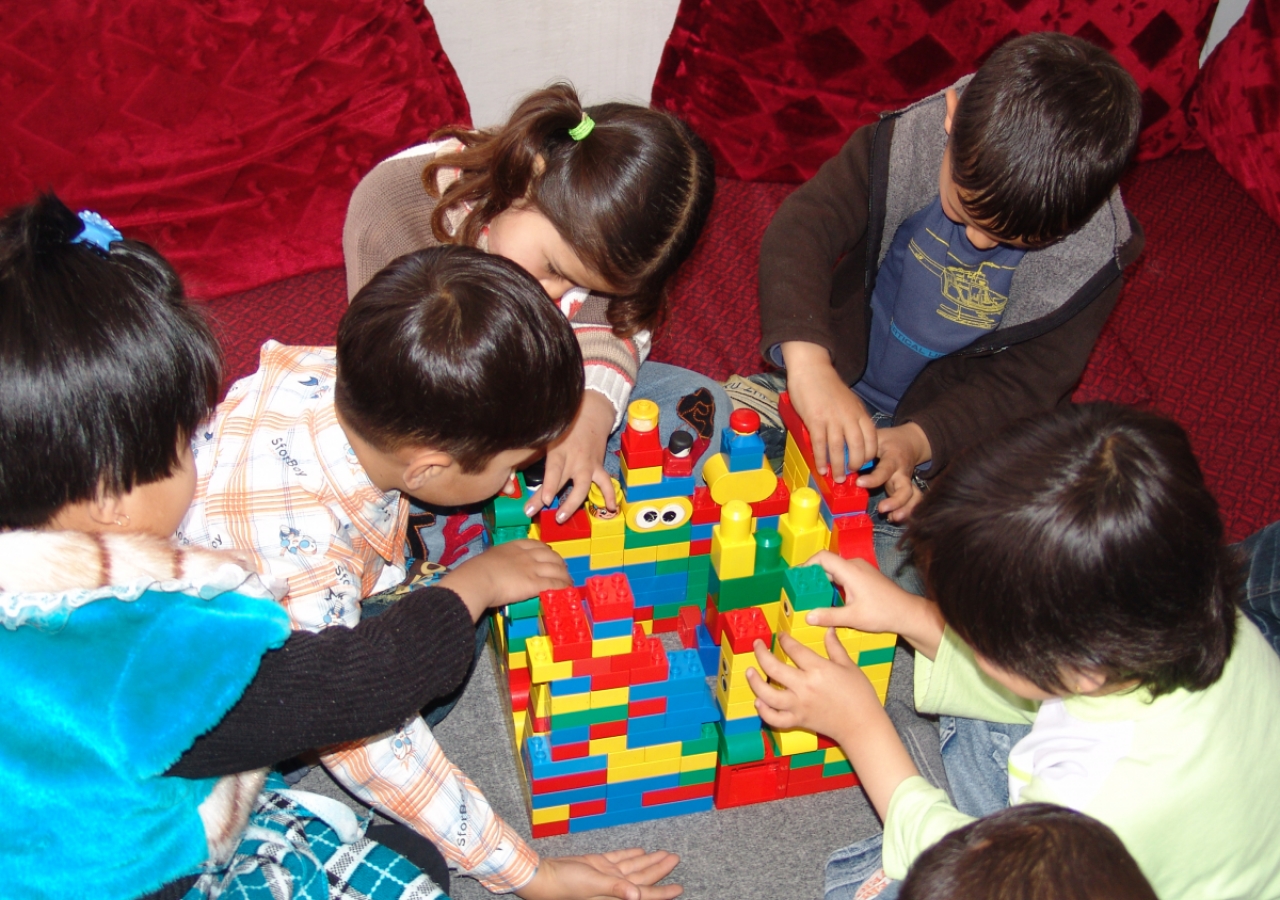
<point x="639" y="570"/>
<point x="642" y="785"/>
<point x="525" y="628"/>
<point x="741" y="726"/>
<point x="701" y="532"/>
<point x="564" y="687"/>
<point x="613" y="628"/>
<point x="668" y="735"/>
<point x="666" y="489"/>
<point x="562" y="798"/>
<point x="769" y="522"/>
<point x="643" y="814"/>
<point x="685" y="671"/>
<point x="538" y="762"/>
<point x="691" y="700"/>
<point x="558" y="737"/>
<point x="579" y="567"/>
<point x="623" y="802"/>
<point x="649" y="691"/>
<point x="641" y="724"/>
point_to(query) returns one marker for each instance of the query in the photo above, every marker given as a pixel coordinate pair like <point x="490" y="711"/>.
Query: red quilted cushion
<point x="1237" y="103"/>
<point x="777" y="86"/>
<point x="229" y="134"/>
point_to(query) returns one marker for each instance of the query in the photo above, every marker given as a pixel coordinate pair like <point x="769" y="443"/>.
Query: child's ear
<point x="424" y="466"/>
<point x="953" y="99"/>
<point x="103" y="512"/>
<point x="1087" y="681"/>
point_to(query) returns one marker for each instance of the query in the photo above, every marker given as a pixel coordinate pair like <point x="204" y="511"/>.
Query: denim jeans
<point x="892" y="555"/>
<point x="665" y="385"/>
<point x="1262" y="588"/>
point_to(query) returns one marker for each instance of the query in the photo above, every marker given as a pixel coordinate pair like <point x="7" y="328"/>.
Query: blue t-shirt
<point x="935" y="294"/>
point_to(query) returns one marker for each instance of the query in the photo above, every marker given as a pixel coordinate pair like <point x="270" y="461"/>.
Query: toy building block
<point x="806" y="587"/>
<point x="641" y="443"/>
<point x="775" y="504"/>
<point x="705" y="510"/>
<point x="609" y="597"/>
<point x="742" y="628"/>
<point x="748" y="485"/>
<point x="577" y="527"/>
<point x="802" y="529"/>
<point x="852" y="537"/>
<point x="740" y="443"/>
<point x="733" y="550"/>
<point x="677" y="459"/>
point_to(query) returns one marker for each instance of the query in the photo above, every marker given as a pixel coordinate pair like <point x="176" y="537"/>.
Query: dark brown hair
<point x="453" y="349"/>
<point x="1083" y="539"/>
<point x="1033" y="851"/>
<point x="105" y="366"/>
<point x="630" y="198"/>
<point x="1042" y="134"/>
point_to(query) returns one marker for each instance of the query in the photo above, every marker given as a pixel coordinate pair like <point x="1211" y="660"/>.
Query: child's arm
<point x="901" y="449"/>
<point x="579" y="455"/>
<point x="832" y="412"/>
<point x="507" y="573"/>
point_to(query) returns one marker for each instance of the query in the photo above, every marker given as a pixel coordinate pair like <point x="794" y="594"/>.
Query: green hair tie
<point x="583" y="128"/>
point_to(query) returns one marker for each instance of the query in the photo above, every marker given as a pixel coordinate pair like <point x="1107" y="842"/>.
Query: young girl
<point x="147" y="685"/>
<point x="1077" y="582"/>
<point x="601" y="205"/>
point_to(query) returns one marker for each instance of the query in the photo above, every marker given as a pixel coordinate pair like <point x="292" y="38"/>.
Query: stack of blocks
<point x="611" y="727"/>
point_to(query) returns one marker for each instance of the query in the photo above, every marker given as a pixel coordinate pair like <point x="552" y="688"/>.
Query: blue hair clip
<point x="97" y="231"/>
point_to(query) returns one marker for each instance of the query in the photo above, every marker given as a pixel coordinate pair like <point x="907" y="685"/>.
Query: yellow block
<point x="596" y="746"/>
<point x="733" y="549"/>
<point x="662" y="751"/>
<point x="878" y="672"/>
<point x="834" y="754"/>
<point x="517" y="659"/>
<point x="611" y="560"/>
<point x="641" y="477"/>
<point x="803" y="531"/>
<point x="772" y="613"/>
<point x="794" y="740"/>
<point x="540" y="700"/>
<point x="742" y="710"/>
<point x="611" y="697"/>
<point x="549" y="814"/>
<point x="643" y="770"/>
<point x="608" y="543"/>
<point x="535" y="531"/>
<point x="567" y="703"/>
<point x="613" y="646"/>
<point x="698" y="761"/>
<point x="750" y="486"/>
<point x="646" y="626"/>
<point x="673" y="551"/>
<point x="624" y="759"/>
<point x="518" y="719"/>
<point x="542" y="666"/>
<point x="614" y="526"/>
<point x="572" y="549"/>
<point x="639" y="555"/>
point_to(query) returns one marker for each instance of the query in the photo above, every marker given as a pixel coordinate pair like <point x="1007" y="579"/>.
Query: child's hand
<point x="579" y="455"/>
<point x="507" y="573"/>
<point x="901" y="449"/>
<point x="874" y="603"/>
<point x="832" y="412"/>
<point x="625" y="874"/>
<point x="828" y="696"/>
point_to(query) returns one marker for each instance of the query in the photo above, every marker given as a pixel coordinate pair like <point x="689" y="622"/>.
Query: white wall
<point x="503" y="49"/>
<point x="1229" y="12"/>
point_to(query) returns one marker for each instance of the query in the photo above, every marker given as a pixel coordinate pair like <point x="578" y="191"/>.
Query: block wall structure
<point x="609" y="725"/>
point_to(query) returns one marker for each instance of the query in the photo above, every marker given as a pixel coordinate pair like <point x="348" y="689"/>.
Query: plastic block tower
<point x="609" y="725"/>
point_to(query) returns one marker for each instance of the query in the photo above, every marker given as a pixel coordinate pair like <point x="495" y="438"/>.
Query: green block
<point x="506" y="512"/>
<point x="525" y="609"/>
<point x="506" y="535"/>
<point x="741" y="748"/>
<point x="812" y="758"/>
<point x="516" y="644"/>
<point x="699" y="564"/>
<point x="754" y="590"/>
<point x="839" y="767"/>
<point x="768" y="550"/>
<point x="668" y="566"/>
<point x="808" y="587"/>
<point x="667" y="610"/>
<point x="589" y="717"/>
<point x="695" y="595"/>
<point x="698" y="776"/>
<point x="705" y="744"/>
<point x="875" y="657"/>
<point x="657" y="537"/>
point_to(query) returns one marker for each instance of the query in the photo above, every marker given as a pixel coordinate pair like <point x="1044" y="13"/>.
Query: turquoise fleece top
<point x="99" y="704"/>
<point x="1190" y="781"/>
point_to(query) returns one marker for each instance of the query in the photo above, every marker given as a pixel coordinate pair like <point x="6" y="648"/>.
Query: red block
<point x="578" y="526"/>
<point x="593" y="666"/>
<point x="551" y="829"/>
<point x="663" y="626"/>
<point x="541" y="725"/>
<point x="518" y="683"/>
<point x="700" y="548"/>
<point x="825" y="743"/>
<point x="855" y="538"/>
<point x="690" y="619"/>
<point x="677" y="466"/>
<point x="799" y="785"/>
<point x="775" y="504"/>
<point x="566" y="624"/>
<point x="641" y="449"/>
<point x="842" y="499"/>
<point x="705" y="510"/>
<point x="748" y="783"/>
<point x="651" y="707"/>
<point x="648" y="660"/>
<point x="676" y="794"/>
<point x="607" y="729"/>
<point x="609" y="597"/>
<point x="644" y="614"/>
<point x="743" y="627"/>
<point x="570" y="751"/>
<point x="568" y="782"/>
<point x="587" y="808"/>
<point x="610" y="680"/>
<point x="714" y="622"/>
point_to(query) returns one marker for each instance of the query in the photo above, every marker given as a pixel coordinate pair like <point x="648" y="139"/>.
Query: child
<point x="128" y="661"/>
<point x="1077" y="580"/>
<point x="601" y="205"/>
<point x="1030" y="852"/>
<point x="309" y="464"/>
<point x="949" y="271"/>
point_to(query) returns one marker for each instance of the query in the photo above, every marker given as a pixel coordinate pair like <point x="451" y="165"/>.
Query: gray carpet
<point x="770" y="850"/>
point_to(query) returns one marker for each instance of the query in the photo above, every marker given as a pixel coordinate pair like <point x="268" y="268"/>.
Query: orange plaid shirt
<point x="276" y="476"/>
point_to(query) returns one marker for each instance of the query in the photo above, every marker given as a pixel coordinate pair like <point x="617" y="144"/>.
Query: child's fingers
<point x="569" y="505"/>
<point x="774" y="698"/>
<point x="802" y="656"/>
<point x="648" y="868"/>
<point x="771" y="666"/>
<point x="835" y="650"/>
<point x="607" y="493"/>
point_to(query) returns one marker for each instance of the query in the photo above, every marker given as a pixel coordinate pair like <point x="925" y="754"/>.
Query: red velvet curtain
<point x="227" y="133"/>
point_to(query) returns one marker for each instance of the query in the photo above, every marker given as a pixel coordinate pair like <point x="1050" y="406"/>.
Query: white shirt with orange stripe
<point x="276" y="476"/>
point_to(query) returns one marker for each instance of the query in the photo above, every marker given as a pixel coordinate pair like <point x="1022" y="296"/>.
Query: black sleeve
<point x="340" y="684"/>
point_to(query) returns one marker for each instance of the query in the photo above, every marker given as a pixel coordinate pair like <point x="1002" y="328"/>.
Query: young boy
<point x="949" y="271"/>
<point x="452" y="369"/>
<point x="1077" y="580"/>
<point x="1035" y="851"/>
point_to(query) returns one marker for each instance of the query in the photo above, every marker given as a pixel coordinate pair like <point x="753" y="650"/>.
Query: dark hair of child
<point x="1042" y="134"/>
<point x="84" y="334"/>
<point x="630" y="198"/>
<point x="1083" y="539"/>
<point x="1033" y="851"/>
<point x="457" y="350"/>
